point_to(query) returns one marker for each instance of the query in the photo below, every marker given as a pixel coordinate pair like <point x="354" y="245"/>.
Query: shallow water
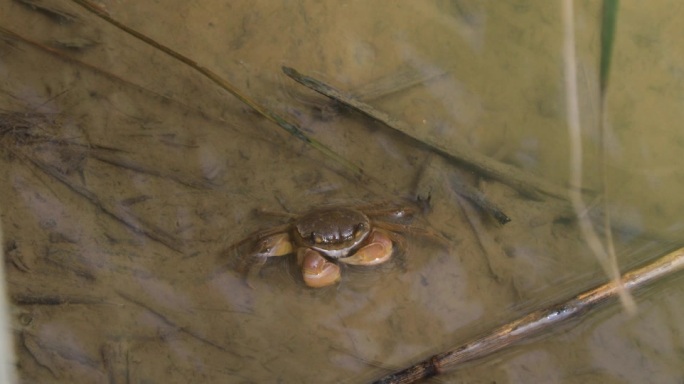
<point x="117" y="262"/>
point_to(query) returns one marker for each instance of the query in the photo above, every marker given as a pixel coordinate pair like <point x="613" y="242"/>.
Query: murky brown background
<point x="124" y="139"/>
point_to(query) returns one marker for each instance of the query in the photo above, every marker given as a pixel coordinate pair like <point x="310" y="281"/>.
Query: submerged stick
<point x="435" y="174"/>
<point x="393" y="83"/>
<point x="508" y="174"/>
<point x="537" y="322"/>
<point x="376" y="89"/>
<point x="291" y="128"/>
<point x="134" y="223"/>
<point x="479" y="199"/>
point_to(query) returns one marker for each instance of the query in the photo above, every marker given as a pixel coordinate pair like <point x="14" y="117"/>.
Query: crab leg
<point x="377" y="251"/>
<point x="275" y="245"/>
<point x="278" y="244"/>
<point x="316" y="270"/>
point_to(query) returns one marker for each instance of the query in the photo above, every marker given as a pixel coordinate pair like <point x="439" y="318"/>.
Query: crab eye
<point x="359" y="229"/>
<point x="317" y="239"/>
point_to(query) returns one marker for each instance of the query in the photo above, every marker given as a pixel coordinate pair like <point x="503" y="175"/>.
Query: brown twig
<point x="136" y="224"/>
<point x="538" y="321"/>
<point x="436" y="174"/>
<point x="479" y="199"/>
<point x="21" y="129"/>
<point x="56" y="299"/>
<point x="508" y="174"/>
<point x="376" y="89"/>
<point x="289" y="127"/>
<point x="394" y="83"/>
<point x="118" y="161"/>
<point x="72" y="60"/>
<point x="492" y="251"/>
<point x="54" y="12"/>
<point x="181" y="328"/>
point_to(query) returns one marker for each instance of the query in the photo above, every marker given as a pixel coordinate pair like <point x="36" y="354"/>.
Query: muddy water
<point x="134" y="174"/>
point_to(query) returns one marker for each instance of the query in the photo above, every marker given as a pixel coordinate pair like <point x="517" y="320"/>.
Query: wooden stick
<point x="537" y="322"/>
<point x="508" y="174"/>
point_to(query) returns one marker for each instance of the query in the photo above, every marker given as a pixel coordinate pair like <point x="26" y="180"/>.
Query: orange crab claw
<point x="377" y="251"/>
<point x="275" y="245"/>
<point x="316" y="270"/>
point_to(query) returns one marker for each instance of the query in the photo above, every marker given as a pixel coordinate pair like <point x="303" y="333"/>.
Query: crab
<point x="325" y="237"/>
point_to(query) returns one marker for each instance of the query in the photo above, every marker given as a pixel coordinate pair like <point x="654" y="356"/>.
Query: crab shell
<point x="334" y="233"/>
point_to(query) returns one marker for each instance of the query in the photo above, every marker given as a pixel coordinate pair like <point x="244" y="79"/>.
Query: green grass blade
<point x="609" y="19"/>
